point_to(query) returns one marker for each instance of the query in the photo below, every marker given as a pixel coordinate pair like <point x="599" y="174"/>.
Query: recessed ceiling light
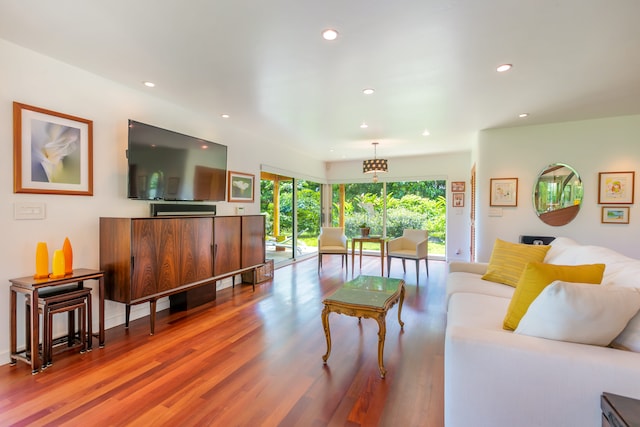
<point x="224" y="116"/>
<point x="329" y="34"/>
<point x="149" y="84"/>
<point x="368" y="90"/>
<point x="504" y="67"/>
<point x="426" y="133"/>
<point x="523" y="115"/>
<point x="364" y="125"/>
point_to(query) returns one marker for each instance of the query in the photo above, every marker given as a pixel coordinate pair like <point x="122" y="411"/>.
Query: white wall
<point x="450" y="167"/>
<point x="34" y="79"/>
<point x="592" y="146"/>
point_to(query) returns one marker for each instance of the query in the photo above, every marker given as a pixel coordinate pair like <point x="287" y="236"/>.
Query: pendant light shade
<point x="374" y="165"/>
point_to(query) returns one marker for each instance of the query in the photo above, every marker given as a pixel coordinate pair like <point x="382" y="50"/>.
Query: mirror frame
<point x="560" y="215"/>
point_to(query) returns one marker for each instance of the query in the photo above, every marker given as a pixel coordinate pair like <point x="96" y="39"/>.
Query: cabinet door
<point x="196" y="249"/>
<point x="226" y="238"/>
<point x="253" y="251"/>
<point x="155" y="252"/>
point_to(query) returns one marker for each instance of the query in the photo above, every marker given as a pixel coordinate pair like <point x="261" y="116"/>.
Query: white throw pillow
<point x="629" y="339"/>
<point x="580" y="313"/>
<point x="557" y="254"/>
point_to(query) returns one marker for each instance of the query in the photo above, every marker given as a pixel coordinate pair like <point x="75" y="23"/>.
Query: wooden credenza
<point x="145" y="259"/>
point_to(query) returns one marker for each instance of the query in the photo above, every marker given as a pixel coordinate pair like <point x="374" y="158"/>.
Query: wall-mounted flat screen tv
<point x="166" y="165"/>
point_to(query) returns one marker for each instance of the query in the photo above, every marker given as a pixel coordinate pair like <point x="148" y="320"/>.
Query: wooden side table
<point x="379" y="239"/>
<point x="30" y="286"/>
<point x="619" y="411"/>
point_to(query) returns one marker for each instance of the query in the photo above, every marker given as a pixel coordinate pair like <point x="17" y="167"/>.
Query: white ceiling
<point x="431" y="62"/>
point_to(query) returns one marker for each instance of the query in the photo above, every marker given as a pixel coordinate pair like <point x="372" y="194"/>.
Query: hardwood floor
<point x="251" y="359"/>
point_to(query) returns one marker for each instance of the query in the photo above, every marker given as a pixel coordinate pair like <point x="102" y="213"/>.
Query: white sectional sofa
<point x="495" y="377"/>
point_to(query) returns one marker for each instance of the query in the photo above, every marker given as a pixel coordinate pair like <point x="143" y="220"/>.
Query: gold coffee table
<point x="368" y="297"/>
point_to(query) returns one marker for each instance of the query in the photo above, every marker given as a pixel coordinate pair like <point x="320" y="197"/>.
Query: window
<point x="389" y="208"/>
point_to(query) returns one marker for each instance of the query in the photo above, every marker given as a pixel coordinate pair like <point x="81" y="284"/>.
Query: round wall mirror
<point x="557" y="194"/>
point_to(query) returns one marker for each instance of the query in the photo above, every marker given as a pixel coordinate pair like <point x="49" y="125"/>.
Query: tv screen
<point x="166" y="165"/>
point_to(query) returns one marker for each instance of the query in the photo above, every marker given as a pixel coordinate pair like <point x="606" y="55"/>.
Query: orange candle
<point x="68" y="256"/>
<point x="42" y="261"/>
<point x="58" y="264"/>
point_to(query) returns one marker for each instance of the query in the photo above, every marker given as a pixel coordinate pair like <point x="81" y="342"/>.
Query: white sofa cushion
<point x="629" y="339"/>
<point x="560" y="251"/>
<point x="461" y="281"/>
<point x="480" y="311"/>
<point x="580" y="313"/>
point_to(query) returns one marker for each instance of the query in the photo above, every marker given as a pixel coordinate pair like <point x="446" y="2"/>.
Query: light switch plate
<point x="29" y="210"/>
<point x="495" y="212"/>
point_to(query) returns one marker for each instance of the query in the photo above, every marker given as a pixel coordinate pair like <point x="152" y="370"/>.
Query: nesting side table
<point x="30" y="286"/>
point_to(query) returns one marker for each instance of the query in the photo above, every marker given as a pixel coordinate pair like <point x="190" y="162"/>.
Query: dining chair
<point x="411" y="245"/>
<point x="332" y="241"/>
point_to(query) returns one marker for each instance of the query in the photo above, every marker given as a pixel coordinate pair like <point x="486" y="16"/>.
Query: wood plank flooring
<point x="251" y="359"/>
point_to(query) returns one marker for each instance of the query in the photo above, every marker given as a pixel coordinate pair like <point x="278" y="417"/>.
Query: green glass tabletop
<point x="373" y="291"/>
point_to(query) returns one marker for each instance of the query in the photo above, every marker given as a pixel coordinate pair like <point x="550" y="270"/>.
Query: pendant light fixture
<point x="374" y="165"/>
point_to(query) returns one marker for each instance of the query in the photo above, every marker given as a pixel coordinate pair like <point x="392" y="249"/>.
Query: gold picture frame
<point x="52" y="152"/>
<point x="504" y="192"/>
<point x="457" y="201"/>
<point x="615" y="215"/>
<point x="457" y="186"/>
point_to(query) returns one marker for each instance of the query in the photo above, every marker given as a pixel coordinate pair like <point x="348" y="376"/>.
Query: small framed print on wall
<point x="504" y="192"/>
<point x="457" y="187"/>
<point x="240" y="187"/>
<point x="458" y="200"/>
<point x="616" y="188"/>
<point x="615" y="215"/>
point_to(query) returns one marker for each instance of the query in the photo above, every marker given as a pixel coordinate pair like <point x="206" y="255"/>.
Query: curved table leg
<point x="400" y="307"/>
<point x="327" y="332"/>
<point x="382" y="331"/>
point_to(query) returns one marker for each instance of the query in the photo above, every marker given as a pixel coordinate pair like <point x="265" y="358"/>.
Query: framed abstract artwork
<point x="616" y="188"/>
<point x="240" y="187"/>
<point x="52" y="152"/>
<point x="504" y="192"/>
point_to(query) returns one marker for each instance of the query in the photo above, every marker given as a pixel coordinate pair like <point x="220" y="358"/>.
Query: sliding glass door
<point x="308" y="216"/>
<point x="292" y="210"/>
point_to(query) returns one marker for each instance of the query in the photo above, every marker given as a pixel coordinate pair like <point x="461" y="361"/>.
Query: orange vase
<point x="42" y="261"/>
<point x="58" y="264"/>
<point x="68" y="256"/>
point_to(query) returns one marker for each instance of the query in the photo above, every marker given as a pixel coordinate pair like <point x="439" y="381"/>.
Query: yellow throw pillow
<point x="536" y="276"/>
<point x="508" y="260"/>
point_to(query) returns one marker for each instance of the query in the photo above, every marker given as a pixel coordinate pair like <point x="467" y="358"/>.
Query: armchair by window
<point x="332" y="240"/>
<point x="412" y="245"/>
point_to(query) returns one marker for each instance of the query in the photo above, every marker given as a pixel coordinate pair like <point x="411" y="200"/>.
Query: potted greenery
<point x="364" y="230"/>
